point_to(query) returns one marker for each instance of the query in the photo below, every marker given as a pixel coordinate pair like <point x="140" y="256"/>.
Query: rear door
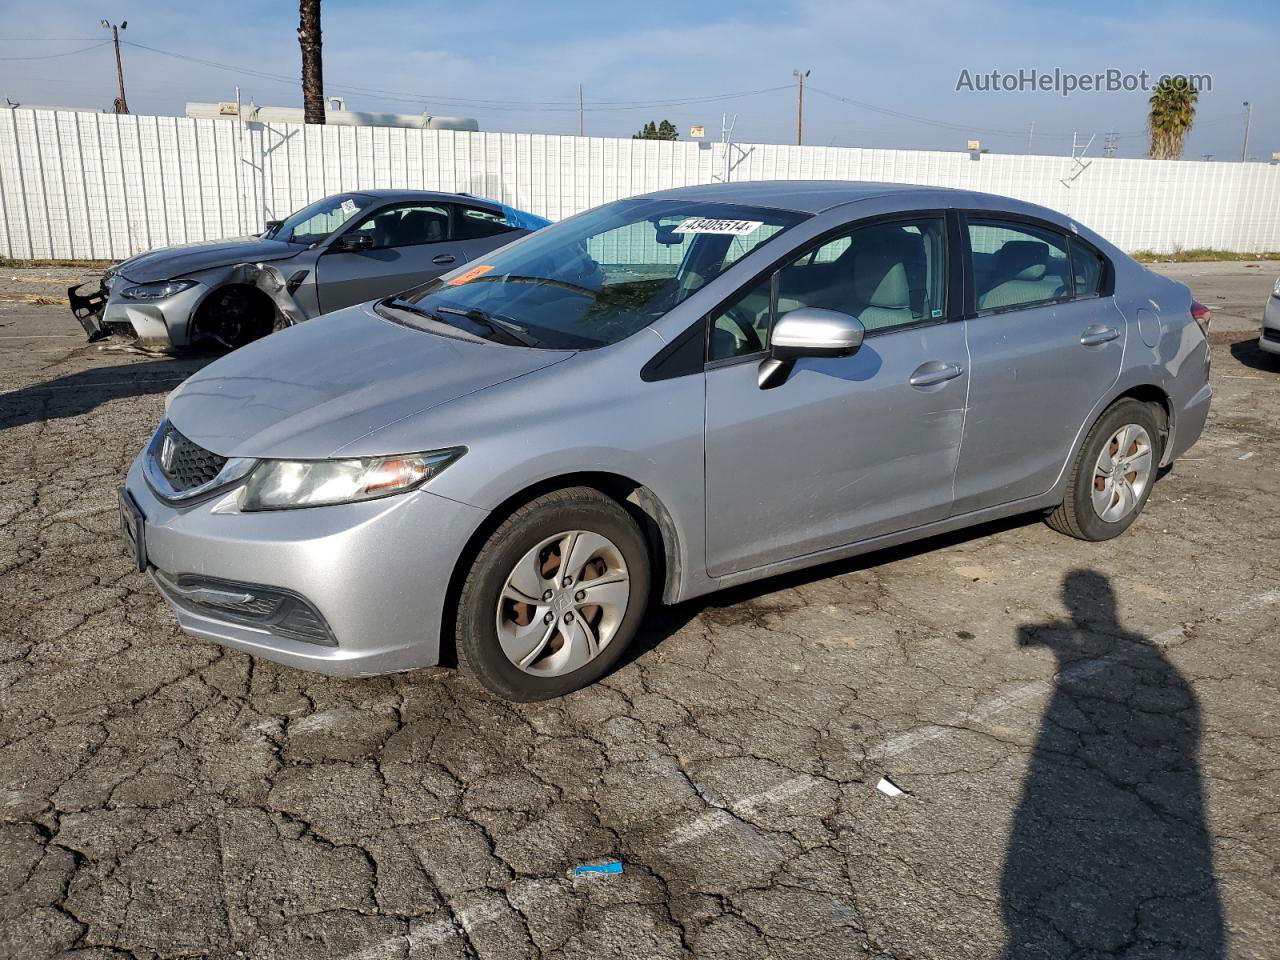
<point x="847" y="448"/>
<point x="410" y="243"/>
<point x="1045" y="342"/>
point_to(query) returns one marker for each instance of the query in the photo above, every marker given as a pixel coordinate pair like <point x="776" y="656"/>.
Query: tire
<point x="494" y="630"/>
<point x="235" y="316"/>
<point x="1080" y="515"/>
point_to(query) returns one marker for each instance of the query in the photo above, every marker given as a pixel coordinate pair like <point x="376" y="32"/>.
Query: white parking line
<point x="718" y="817"/>
<point x="434" y="933"/>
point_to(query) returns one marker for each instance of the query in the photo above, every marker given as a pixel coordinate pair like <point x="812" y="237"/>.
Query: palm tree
<point x="312" y="75"/>
<point x="1173" y="110"/>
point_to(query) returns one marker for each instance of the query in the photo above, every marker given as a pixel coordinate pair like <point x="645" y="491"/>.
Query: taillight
<point x="1201" y="315"/>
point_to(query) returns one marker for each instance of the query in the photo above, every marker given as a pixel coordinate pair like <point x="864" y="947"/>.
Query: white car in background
<point x="1270" y="338"/>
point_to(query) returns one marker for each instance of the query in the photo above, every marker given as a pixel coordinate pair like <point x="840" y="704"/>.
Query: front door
<point x="847" y="448"/>
<point x="1044" y="347"/>
<point x="409" y="244"/>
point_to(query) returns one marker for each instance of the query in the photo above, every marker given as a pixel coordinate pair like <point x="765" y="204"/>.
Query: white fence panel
<point x="101" y="186"/>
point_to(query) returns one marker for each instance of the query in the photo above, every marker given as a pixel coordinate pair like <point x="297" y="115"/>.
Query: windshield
<point x="600" y="277"/>
<point x="313" y="223"/>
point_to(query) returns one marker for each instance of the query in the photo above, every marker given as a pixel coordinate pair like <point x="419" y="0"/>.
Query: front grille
<point x="1271" y="334"/>
<point x="185" y="463"/>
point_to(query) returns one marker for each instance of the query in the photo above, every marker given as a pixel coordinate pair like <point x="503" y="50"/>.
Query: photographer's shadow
<point x="1110" y="852"/>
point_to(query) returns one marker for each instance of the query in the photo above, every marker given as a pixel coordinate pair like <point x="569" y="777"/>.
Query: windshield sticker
<point x="732" y="228"/>
<point x="349" y="207"/>
<point x="468" y="275"/>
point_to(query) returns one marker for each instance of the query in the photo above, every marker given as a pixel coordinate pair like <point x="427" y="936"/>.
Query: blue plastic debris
<point x="590" y="869"/>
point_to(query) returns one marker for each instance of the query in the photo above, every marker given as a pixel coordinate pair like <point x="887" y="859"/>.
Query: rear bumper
<point x="375" y="573"/>
<point x="1188" y="423"/>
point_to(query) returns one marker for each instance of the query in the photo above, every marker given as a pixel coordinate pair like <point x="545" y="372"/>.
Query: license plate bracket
<point x="133" y="528"/>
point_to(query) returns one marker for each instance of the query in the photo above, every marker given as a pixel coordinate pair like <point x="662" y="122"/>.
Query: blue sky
<point x="521" y="63"/>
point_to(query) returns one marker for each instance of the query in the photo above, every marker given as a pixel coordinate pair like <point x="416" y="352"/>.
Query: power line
<point x="993" y="131"/>
<point x="565" y="105"/>
<point x="54" y="56"/>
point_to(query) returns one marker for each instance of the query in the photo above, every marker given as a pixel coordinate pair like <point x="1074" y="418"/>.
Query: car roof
<point x="440" y="195"/>
<point x="817" y="196"/>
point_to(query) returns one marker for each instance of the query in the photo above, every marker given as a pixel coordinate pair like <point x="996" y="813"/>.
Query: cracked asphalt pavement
<point x="1086" y="735"/>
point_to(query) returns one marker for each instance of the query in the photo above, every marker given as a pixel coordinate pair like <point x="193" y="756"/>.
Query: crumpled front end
<point x="155" y="324"/>
<point x="88" y="306"/>
<point x="104" y="311"/>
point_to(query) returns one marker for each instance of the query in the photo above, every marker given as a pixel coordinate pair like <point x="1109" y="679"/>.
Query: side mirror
<point x="353" y="243"/>
<point x="271" y="227"/>
<point x="808" y="332"/>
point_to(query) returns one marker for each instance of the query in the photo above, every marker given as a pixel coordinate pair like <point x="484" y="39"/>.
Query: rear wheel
<point x="1112" y="475"/>
<point x="554" y="596"/>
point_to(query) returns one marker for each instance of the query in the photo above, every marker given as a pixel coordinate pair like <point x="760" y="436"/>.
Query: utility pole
<point x="800" y="105"/>
<point x="1248" y="119"/>
<point x="122" y="105"/>
<point x="581" y="126"/>
<point x="1031" y="137"/>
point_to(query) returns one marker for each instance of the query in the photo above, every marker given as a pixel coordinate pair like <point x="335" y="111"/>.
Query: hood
<point x="171" y="262"/>
<point x="308" y="391"/>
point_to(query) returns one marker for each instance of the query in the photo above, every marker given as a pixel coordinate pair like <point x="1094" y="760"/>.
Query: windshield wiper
<point x="496" y="324"/>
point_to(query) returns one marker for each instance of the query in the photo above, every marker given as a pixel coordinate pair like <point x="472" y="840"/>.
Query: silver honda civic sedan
<point x="652" y="400"/>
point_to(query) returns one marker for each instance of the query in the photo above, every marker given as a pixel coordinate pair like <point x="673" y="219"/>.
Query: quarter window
<point x="888" y="275"/>
<point x="406" y="226"/>
<point x="1016" y="265"/>
<point x="1086" y="269"/>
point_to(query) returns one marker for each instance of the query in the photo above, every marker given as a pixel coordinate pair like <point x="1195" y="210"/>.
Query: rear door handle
<point x="444" y="258"/>
<point x="1097" y="334"/>
<point x="935" y="372"/>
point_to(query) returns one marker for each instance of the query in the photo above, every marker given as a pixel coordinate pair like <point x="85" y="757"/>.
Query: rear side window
<point x="1087" y="268"/>
<point x="473" y="223"/>
<point x="1017" y="264"/>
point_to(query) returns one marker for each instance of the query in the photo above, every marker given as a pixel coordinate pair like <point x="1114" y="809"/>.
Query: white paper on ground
<point x="889" y="788"/>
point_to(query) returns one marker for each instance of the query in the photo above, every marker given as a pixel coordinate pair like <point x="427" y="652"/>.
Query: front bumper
<point x="154" y="323"/>
<point x="1270" y="338"/>
<point x="375" y="572"/>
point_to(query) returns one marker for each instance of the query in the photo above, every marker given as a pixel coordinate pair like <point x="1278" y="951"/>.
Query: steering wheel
<point x="747" y="328"/>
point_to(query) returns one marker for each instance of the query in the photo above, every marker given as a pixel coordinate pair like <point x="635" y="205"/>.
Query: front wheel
<point x="1112" y="475"/>
<point x="554" y="596"/>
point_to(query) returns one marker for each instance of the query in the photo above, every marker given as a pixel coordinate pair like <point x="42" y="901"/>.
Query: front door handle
<point x="935" y="372"/>
<point x="444" y="258"/>
<point x="1098" y="333"/>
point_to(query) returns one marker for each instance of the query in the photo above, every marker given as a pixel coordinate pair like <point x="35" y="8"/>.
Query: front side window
<point x="886" y="274"/>
<point x="1017" y="264"/>
<point x="597" y="278"/>
<point x="313" y="223"/>
<point x="405" y="226"/>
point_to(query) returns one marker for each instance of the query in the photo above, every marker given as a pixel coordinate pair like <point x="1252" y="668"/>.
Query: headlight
<point x="157" y="291"/>
<point x="1275" y="291"/>
<point x="281" y="484"/>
